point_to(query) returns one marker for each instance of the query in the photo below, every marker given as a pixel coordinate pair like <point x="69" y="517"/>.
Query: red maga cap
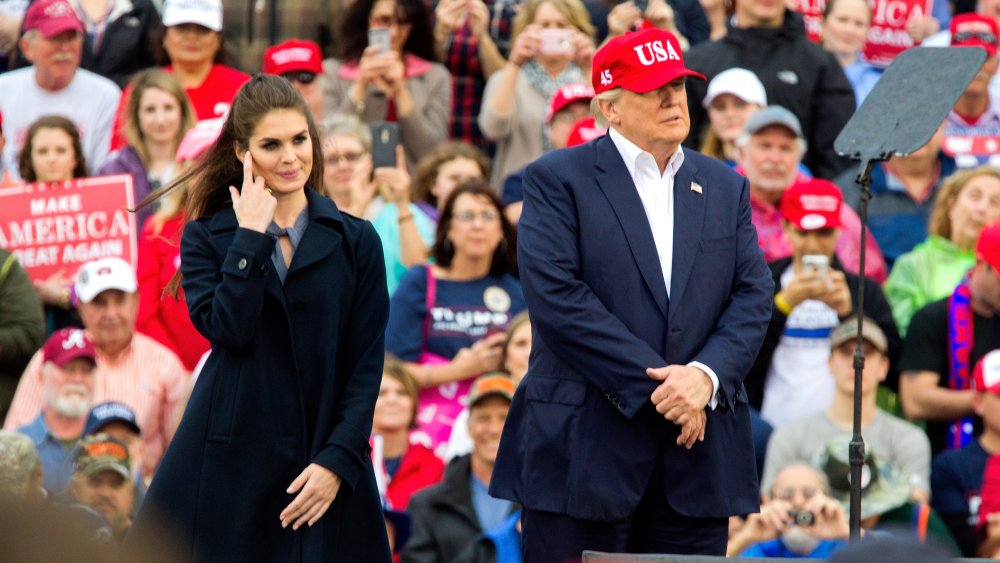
<point x="988" y="246"/>
<point x="584" y="130"/>
<point x="974" y="30"/>
<point x="639" y="62"/>
<point x="52" y="17"/>
<point x="812" y="205"/>
<point x="293" y="56"/>
<point x="565" y="96"/>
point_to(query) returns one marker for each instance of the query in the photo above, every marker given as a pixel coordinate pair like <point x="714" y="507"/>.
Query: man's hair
<point x="18" y="464"/>
<point x="824" y="482"/>
<point x="595" y="104"/>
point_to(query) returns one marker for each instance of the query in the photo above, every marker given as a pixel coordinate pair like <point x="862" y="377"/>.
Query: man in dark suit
<point x="649" y="299"/>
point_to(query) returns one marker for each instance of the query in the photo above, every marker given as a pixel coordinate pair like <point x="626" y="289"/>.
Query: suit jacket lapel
<point x="618" y="187"/>
<point x="689" y="215"/>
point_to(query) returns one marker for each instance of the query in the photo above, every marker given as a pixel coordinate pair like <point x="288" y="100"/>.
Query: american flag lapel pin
<point x="696" y="187"/>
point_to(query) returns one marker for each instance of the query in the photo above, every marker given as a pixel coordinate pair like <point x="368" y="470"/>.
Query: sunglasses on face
<point x="984" y="37"/>
<point x="302" y="77"/>
<point x="469" y="216"/>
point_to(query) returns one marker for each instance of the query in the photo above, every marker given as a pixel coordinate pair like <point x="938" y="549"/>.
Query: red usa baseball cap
<point x="975" y="30"/>
<point x="565" y="96"/>
<point x="66" y="345"/>
<point x="639" y="62"/>
<point x="584" y="130"/>
<point x="52" y="17"/>
<point x="293" y="56"/>
<point x="812" y="205"/>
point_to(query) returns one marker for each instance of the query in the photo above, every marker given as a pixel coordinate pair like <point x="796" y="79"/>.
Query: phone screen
<point x="380" y="36"/>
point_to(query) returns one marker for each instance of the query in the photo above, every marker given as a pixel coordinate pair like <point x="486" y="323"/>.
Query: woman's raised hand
<point x="254" y="205"/>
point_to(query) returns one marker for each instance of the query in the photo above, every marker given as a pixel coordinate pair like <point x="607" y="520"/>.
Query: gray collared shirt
<point x="294" y="234"/>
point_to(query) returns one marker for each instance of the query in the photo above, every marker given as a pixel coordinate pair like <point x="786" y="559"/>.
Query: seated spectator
<point x="403" y="85"/>
<point x="404" y="468"/>
<point x="448" y="517"/>
<point x="118" y="421"/>
<point x="886" y="505"/>
<point x="967" y="201"/>
<point x="442" y="170"/>
<point x="945" y="340"/>
<point x="192" y="50"/>
<point x="102" y="480"/>
<point x="446" y="318"/>
<point x="118" y="37"/>
<point x="473" y="38"/>
<point x="52" y="151"/>
<point x="904" y="191"/>
<point x="976" y="114"/>
<point x="301" y="63"/>
<point x="769" y="39"/>
<point x="770" y="151"/>
<point x="347" y="170"/>
<point x="732" y="97"/>
<point x="33" y="525"/>
<point x="845" y="29"/>
<point x="515" y="352"/>
<point x="54" y="84"/>
<point x="957" y="475"/>
<point x="901" y="444"/>
<point x="131" y="368"/>
<point x="790" y="378"/>
<point x="568" y="105"/>
<point x="157" y="116"/>
<point x="684" y="18"/>
<point x="67" y="382"/>
<point x="163" y="313"/>
<point x="22" y="326"/>
<point x="797" y="519"/>
<point x="517" y="96"/>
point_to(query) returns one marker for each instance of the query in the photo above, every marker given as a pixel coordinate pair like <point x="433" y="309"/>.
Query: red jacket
<point x="164" y="317"/>
<point x="420" y="468"/>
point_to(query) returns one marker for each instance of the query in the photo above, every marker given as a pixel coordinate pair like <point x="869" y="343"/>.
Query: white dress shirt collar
<point x="631" y="154"/>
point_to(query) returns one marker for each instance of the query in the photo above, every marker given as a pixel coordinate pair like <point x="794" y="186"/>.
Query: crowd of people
<point x="426" y="116"/>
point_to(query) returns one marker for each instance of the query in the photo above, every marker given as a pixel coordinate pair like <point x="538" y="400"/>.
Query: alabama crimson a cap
<point x="639" y="62"/>
<point x="565" y="96"/>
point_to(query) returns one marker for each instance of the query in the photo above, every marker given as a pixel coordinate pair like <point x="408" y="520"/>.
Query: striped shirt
<point x="147" y="377"/>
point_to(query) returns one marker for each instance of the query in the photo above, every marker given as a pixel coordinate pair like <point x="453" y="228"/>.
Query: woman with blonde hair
<point x="157" y="116"/>
<point x="968" y="201"/>
<point x="552" y="46"/>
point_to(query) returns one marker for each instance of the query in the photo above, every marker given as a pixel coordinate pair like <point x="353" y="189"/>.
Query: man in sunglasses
<point x="301" y="63"/>
<point x="973" y="126"/>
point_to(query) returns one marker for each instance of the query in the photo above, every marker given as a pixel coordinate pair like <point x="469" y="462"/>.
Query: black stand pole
<point x="898" y="117"/>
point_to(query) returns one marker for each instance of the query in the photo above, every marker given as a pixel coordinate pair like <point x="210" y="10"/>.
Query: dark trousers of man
<point x="655" y="527"/>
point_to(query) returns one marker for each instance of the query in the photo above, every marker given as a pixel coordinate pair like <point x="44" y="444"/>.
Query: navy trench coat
<point x="292" y="379"/>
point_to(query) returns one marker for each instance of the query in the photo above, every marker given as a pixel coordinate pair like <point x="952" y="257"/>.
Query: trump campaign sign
<point x="887" y="36"/>
<point x="812" y="13"/>
<point x="59" y="226"/>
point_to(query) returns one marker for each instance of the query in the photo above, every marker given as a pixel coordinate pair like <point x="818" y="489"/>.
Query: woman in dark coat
<point x="271" y="459"/>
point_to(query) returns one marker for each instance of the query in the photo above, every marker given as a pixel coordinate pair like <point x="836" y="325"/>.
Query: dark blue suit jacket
<point x="582" y="434"/>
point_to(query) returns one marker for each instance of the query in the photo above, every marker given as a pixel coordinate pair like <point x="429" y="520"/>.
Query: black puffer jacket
<point x="796" y="73"/>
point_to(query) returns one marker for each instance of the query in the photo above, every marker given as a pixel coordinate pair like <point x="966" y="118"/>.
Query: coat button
<point x="242" y="264"/>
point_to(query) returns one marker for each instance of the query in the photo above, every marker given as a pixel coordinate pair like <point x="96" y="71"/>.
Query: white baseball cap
<point x="101" y="275"/>
<point x="206" y="13"/>
<point x="739" y="82"/>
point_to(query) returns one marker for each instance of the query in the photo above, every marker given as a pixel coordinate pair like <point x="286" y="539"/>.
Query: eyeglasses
<point x="469" y="216"/>
<point x="347" y="158"/>
<point x="984" y="37"/>
<point x="788" y="493"/>
<point x="388" y="21"/>
<point x="303" y="77"/>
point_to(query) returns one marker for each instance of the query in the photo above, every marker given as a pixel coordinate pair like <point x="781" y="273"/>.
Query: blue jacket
<point x="582" y="435"/>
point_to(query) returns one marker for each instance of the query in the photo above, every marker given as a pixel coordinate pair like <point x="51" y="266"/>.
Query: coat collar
<point x="689" y="214"/>
<point x="322" y="236"/>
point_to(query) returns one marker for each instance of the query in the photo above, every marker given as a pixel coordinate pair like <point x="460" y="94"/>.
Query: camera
<point x="802" y="517"/>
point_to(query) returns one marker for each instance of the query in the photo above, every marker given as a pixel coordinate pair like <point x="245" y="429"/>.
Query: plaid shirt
<point x="462" y="60"/>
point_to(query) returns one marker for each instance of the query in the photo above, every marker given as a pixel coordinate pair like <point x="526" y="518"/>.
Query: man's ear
<point x="24" y="44"/>
<point x="609" y="109"/>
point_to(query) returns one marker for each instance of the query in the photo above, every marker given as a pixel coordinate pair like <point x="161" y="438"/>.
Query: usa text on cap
<point x="293" y="56"/>
<point x="639" y="62"/>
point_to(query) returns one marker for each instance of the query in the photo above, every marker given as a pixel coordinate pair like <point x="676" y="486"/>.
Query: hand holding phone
<point x="818" y="263"/>
<point x="380" y="37"/>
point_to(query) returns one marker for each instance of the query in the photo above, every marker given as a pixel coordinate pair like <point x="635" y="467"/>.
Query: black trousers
<point x="655" y="527"/>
